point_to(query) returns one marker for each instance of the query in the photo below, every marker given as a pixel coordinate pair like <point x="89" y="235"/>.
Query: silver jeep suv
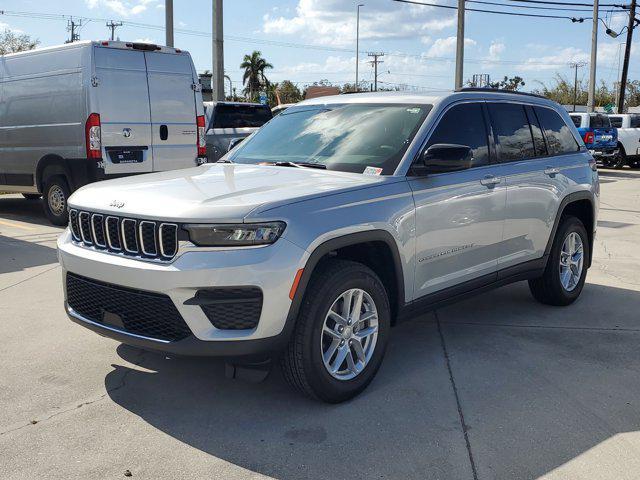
<point x="309" y="240"/>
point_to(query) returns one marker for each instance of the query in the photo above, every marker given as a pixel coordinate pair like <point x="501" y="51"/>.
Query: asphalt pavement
<point x="495" y="387"/>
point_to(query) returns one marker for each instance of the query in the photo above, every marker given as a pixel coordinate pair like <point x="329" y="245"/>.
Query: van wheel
<point x="56" y="194"/>
<point x="566" y="270"/>
<point x="341" y="333"/>
<point x="31" y="196"/>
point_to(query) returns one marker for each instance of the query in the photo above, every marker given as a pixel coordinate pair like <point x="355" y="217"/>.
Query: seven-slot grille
<point x="142" y="238"/>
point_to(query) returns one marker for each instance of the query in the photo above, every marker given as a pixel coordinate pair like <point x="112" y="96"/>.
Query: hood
<point x="213" y="192"/>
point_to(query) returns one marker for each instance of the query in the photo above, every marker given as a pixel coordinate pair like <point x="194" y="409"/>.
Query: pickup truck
<point x="599" y="137"/>
<point x="628" y="125"/>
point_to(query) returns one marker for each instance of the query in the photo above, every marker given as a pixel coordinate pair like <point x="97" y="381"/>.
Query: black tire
<point x="32" y="196"/>
<point x="57" y="214"/>
<point x="620" y="160"/>
<point x="548" y="289"/>
<point x="302" y="363"/>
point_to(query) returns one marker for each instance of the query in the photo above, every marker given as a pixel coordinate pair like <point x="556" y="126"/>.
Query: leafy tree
<point x="288" y="92"/>
<point x="11" y="42"/>
<point x="513" y="83"/>
<point x="254" y="77"/>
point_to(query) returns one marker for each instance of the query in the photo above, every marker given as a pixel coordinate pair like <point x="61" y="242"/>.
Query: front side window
<point x="577" y="120"/>
<point x="616" y="122"/>
<point x="558" y="134"/>
<point x="346" y="137"/>
<point x="634" y="121"/>
<point x="464" y="125"/>
<point x="511" y="126"/>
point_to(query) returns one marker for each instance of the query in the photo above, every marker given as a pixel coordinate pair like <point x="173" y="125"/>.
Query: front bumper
<point x="270" y="268"/>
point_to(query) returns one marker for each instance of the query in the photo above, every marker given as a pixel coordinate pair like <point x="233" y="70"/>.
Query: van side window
<point x="511" y="126"/>
<point x="557" y="132"/>
<point x="536" y="131"/>
<point x="464" y="125"/>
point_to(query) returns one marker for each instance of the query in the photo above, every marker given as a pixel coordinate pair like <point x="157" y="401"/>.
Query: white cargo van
<point x="88" y="111"/>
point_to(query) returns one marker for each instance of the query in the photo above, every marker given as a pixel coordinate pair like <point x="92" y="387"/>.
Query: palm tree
<point x="254" y="66"/>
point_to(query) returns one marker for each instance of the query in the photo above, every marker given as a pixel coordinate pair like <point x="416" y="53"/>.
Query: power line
<point x="497" y="12"/>
<point x="590" y="5"/>
<point x="563" y="9"/>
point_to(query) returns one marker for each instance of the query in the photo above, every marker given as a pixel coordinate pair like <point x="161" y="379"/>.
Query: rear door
<point x="173" y="110"/>
<point x="123" y="105"/>
<point x="229" y="121"/>
<point x="604" y="133"/>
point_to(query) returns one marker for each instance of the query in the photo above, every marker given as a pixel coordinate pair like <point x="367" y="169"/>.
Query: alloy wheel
<point x="571" y="261"/>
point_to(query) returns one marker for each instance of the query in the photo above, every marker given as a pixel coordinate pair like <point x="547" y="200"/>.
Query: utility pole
<point x="168" y="22"/>
<point x="576" y="66"/>
<point x="217" y="78"/>
<point x="627" y="53"/>
<point x="375" y="63"/>
<point x="73" y="27"/>
<point x="113" y="25"/>
<point x="594" y="54"/>
<point x="460" y="45"/>
<point x="357" y="40"/>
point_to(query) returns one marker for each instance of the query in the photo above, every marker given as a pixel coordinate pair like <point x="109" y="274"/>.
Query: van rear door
<point x="173" y="110"/>
<point x="123" y="104"/>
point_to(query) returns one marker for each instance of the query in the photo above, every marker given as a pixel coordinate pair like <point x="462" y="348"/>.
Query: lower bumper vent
<point x="230" y="308"/>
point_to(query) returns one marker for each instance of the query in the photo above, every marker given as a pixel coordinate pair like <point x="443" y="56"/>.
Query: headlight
<point x="243" y="234"/>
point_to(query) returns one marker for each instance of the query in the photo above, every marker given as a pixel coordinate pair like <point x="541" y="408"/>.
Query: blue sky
<point x="308" y="40"/>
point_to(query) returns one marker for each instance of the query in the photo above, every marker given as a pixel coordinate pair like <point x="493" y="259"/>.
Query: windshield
<point x="239" y="116"/>
<point x="346" y="137"/>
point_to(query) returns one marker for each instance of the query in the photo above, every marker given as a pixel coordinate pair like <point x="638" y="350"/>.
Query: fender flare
<point x="57" y="164"/>
<point x="335" y="244"/>
<point x="569" y="199"/>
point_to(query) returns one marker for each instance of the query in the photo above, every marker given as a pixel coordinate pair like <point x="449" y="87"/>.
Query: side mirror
<point x="234" y="142"/>
<point x="446" y="157"/>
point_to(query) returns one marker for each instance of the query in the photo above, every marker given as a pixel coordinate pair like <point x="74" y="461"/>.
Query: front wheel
<point x="566" y="269"/>
<point x="341" y="333"/>
<point x="56" y="194"/>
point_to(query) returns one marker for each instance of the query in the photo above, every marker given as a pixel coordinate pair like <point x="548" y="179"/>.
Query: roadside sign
<point x="263" y="98"/>
<point x="609" y="107"/>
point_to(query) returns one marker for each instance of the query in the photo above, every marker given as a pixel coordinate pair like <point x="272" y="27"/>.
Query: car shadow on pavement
<point x="538" y="386"/>
<point x="18" y="254"/>
<point x="13" y="207"/>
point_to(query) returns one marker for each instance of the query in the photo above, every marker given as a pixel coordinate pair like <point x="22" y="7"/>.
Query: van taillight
<point x="589" y="137"/>
<point x="93" y="136"/>
<point x="201" y="140"/>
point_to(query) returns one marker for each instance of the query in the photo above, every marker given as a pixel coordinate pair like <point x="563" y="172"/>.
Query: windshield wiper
<point x="300" y="165"/>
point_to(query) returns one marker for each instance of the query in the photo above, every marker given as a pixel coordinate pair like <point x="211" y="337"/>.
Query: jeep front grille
<point x="146" y="239"/>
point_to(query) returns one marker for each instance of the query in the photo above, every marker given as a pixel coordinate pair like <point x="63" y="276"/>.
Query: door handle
<point x="164" y="132"/>
<point x="551" y="171"/>
<point x="490" y="181"/>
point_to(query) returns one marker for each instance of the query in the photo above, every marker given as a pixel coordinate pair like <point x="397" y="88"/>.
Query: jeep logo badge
<point x="116" y="204"/>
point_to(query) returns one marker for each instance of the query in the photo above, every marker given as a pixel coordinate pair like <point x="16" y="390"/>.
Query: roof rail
<point x="499" y="90"/>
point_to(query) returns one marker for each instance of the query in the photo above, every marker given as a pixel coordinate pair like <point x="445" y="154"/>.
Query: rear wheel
<point x="56" y="194"/>
<point x="341" y="333"/>
<point x="618" y="161"/>
<point x="566" y="269"/>
<point x="32" y="196"/>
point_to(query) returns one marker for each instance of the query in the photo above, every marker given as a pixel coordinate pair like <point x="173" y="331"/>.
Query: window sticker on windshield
<point x="372" y="171"/>
<point x="413" y="110"/>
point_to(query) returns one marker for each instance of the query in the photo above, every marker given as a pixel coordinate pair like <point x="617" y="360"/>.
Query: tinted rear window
<point x="238" y="116"/>
<point x="557" y="132"/>
<point x="599" y="121"/>
<point x="577" y="120"/>
<point x="616" y="122"/>
<point x="635" y="121"/>
<point x="512" y="128"/>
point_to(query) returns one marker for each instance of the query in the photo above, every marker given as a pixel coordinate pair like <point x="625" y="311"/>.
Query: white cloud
<point x="333" y="22"/>
<point x="559" y="59"/>
<point x="121" y="8"/>
<point x="496" y="49"/>
<point x="445" y="46"/>
<point x="5" y="26"/>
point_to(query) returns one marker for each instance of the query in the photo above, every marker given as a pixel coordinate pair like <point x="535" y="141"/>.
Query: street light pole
<point x="168" y="22"/>
<point x="594" y="54"/>
<point x="217" y="77"/>
<point x="357" y="40"/>
<point x="576" y="65"/>
<point x="460" y="45"/>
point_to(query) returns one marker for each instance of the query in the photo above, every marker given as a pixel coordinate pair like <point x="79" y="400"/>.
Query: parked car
<point x="337" y="218"/>
<point x="88" y="111"/>
<point x="278" y="109"/>
<point x="599" y="137"/>
<point x="628" y="126"/>
<point x="232" y="120"/>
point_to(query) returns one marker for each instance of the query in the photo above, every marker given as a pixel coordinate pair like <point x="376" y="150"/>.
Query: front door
<point x="459" y="215"/>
